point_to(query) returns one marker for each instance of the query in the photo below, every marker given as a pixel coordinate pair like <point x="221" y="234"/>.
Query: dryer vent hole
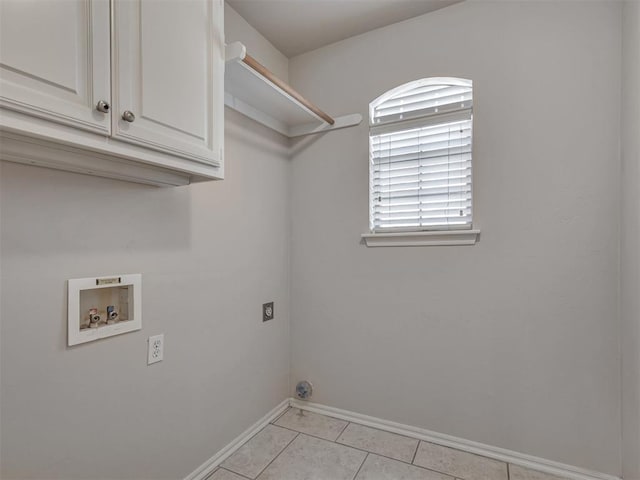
<point x="304" y="390"/>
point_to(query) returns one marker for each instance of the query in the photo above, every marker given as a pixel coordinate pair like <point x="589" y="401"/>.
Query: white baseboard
<point x="504" y="455"/>
<point x="204" y="470"/>
<point x="508" y="456"/>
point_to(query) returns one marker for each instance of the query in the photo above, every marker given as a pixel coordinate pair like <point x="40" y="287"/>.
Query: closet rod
<point x="265" y="72"/>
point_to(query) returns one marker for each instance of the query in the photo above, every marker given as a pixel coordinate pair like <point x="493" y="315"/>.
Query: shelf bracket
<point x="235" y="52"/>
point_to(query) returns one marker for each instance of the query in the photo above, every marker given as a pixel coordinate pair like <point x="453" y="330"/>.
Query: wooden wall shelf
<point x="253" y="90"/>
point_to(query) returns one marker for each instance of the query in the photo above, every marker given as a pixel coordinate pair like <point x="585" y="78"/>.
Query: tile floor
<point x="308" y="446"/>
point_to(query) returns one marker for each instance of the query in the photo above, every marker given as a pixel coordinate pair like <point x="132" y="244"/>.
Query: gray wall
<point x="237" y="29"/>
<point x="630" y="236"/>
<point x="513" y="342"/>
<point x="209" y="254"/>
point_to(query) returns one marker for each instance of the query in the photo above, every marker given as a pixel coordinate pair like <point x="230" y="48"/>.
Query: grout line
<point x="361" y="465"/>
<point x="502" y="455"/>
<point x="342" y="431"/>
<point x="362" y="449"/>
<point x="273" y="422"/>
<point x="274" y="458"/>
<point x="368" y="452"/>
<point x="298" y="433"/>
<point x="444" y="474"/>
<point x="235" y="473"/>
<point x="378" y="429"/>
<point x="384" y="456"/>
<point x="305" y="433"/>
<point x="413" y="459"/>
<point x="345" y="418"/>
<point x="239" y="447"/>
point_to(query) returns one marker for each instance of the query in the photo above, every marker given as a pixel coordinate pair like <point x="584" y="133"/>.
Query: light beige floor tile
<point x="311" y="458"/>
<point x="522" y="473"/>
<point x="250" y="459"/>
<point x="312" y="424"/>
<point x="221" y="474"/>
<point x="459" y="464"/>
<point x="380" y="468"/>
<point x="377" y="441"/>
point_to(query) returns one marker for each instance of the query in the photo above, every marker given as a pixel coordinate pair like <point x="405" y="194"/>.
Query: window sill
<point x="421" y="239"/>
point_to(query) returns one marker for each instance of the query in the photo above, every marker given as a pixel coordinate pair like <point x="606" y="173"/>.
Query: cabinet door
<point x="168" y="76"/>
<point x="55" y="60"/>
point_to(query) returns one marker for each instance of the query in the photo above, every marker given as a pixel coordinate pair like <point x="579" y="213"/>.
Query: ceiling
<point x="298" y="26"/>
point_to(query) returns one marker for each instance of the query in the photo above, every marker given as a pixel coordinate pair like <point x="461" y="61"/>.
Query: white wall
<point x="513" y="342"/>
<point x="630" y="236"/>
<point x="210" y="255"/>
<point x="237" y="29"/>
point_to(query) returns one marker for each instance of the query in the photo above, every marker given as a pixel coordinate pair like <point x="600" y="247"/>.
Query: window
<point x="420" y="157"/>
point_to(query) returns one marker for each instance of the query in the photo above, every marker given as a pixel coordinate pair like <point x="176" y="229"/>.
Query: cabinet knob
<point x="128" y="116"/>
<point x="102" y="106"/>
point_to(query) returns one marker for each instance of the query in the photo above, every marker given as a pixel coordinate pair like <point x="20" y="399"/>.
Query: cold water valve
<point x="112" y="315"/>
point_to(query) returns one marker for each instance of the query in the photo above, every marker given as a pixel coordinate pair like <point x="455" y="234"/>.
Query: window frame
<point x="430" y="234"/>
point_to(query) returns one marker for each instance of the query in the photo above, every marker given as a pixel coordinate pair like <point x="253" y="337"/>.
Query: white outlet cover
<point x="155" y="351"/>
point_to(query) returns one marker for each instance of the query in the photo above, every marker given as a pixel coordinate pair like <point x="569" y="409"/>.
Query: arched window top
<point x="420" y="98"/>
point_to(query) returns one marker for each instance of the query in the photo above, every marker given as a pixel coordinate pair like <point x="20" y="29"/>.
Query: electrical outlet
<point x="267" y="311"/>
<point x="155" y="352"/>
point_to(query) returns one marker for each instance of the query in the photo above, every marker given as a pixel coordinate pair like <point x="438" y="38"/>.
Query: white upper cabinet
<point x="54" y="60"/>
<point x="168" y="57"/>
<point x="128" y="89"/>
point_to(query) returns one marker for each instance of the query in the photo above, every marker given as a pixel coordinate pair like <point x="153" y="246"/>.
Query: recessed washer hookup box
<point x="104" y="306"/>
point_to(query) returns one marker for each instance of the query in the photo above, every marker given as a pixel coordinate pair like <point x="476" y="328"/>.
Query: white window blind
<point x="420" y="156"/>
